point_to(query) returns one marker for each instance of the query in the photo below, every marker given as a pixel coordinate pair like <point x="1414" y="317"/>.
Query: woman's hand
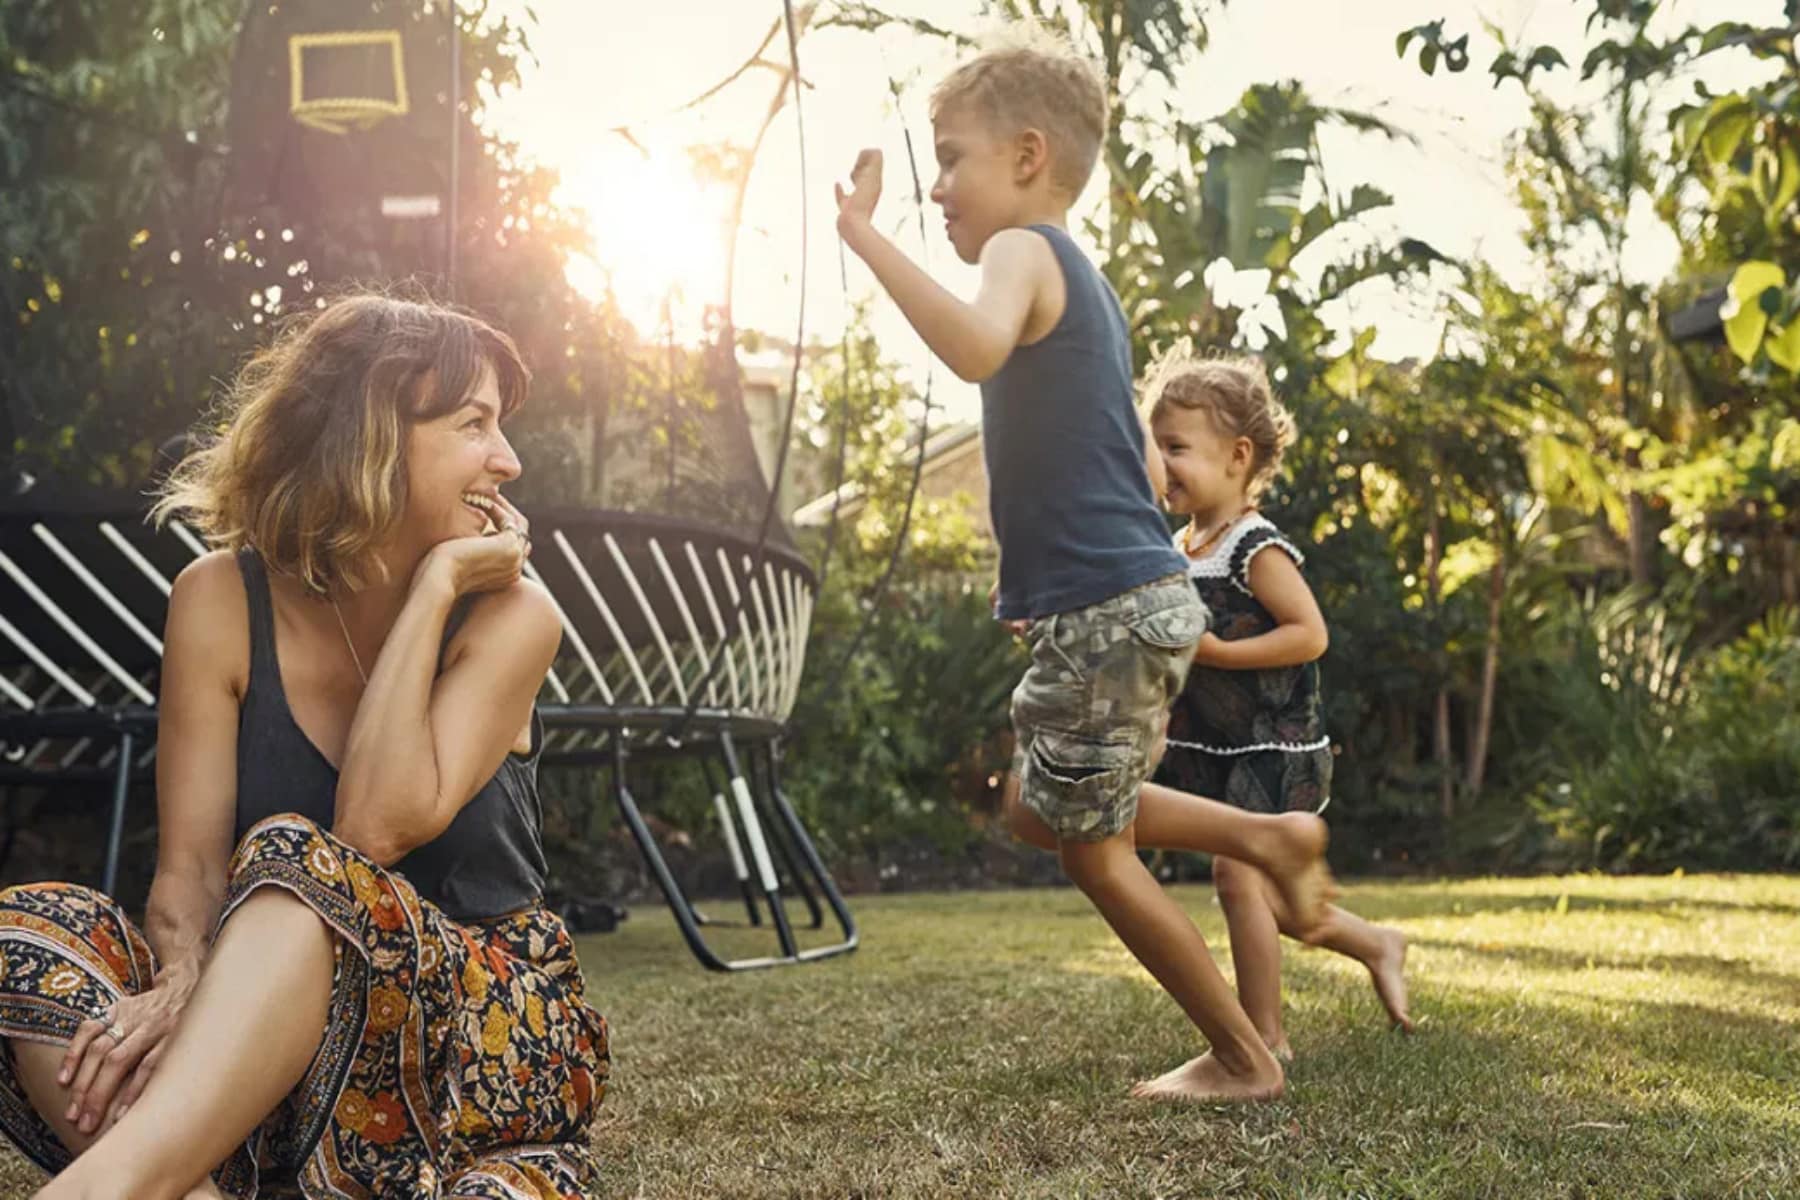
<point x="489" y="562"/>
<point x="109" y="1062"/>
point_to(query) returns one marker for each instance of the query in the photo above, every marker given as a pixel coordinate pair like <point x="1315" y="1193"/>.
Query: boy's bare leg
<point x="1380" y="948"/>
<point x="1162" y="937"/>
<point x="1289" y="847"/>
<point x="248" y="1034"/>
<point x="1255" y="949"/>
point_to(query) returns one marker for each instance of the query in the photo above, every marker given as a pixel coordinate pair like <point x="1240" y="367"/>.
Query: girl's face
<point x="1209" y="470"/>
<point x="456" y="465"/>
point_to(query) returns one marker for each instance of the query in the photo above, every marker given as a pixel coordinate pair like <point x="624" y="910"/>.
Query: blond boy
<point x="1085" y="558"/>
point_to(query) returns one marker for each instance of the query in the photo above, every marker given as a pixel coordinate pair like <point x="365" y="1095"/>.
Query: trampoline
<point x="685" y="615"/>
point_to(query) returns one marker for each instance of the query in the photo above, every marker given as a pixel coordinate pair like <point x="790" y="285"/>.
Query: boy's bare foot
<point x="1296" y="862"/>
<point x="1281" y="1048"/>
<point x="1205" y="1079"/>
<point x="1389" y="975"/>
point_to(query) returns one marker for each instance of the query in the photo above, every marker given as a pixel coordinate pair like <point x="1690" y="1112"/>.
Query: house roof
<point x="941" y="448"/>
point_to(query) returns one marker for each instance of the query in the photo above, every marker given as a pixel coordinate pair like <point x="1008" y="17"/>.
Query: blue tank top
<point x="1071" y="503"/>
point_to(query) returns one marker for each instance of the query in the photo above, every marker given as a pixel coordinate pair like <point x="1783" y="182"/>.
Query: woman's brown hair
<point x="306" y="461"/>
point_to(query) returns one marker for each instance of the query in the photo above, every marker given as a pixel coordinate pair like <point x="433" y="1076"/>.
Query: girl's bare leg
<point x="1380" y="948"/>
<point x="1162" y="937"/>
<point x="1255" y="949"/>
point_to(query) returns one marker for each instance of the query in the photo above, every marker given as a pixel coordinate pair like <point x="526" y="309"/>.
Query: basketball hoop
<point x="346" y="81"/>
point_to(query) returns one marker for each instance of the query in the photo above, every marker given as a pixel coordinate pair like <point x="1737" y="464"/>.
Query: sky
<point x="605" y="65"/>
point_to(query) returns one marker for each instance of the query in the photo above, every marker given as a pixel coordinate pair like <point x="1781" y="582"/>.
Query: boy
<point x="1085" y="556"/>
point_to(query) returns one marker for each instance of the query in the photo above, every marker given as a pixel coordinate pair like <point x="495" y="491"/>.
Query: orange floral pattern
<point x="460" y="1061"/>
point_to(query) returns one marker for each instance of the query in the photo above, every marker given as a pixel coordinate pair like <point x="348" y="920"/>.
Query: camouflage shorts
<point x="1091" y="709"/>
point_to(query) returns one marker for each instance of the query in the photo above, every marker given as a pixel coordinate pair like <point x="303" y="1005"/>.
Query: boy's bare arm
<point x="974" y="338"/>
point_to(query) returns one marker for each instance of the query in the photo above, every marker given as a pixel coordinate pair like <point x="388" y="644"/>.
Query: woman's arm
<point x="1299" y="635"/>
<point x="424" y="742"/>
<point x="205" y="666"/>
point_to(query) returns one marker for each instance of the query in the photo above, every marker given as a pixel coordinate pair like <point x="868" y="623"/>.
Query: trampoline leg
<point x="115" y="833"/>
<point x="759" y="850"/>
<point x="778" y="836"/>
<point x="797" y="831"/>
<point x="665" y="879"/>
<point x="732" y="844"/>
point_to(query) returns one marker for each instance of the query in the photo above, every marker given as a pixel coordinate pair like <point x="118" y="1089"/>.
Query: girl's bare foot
<point x="1205" y="1079"/>
<point x="1296" y="863"/>
<point x="1388" y="971"/>
<point x="1281" y="1048"/>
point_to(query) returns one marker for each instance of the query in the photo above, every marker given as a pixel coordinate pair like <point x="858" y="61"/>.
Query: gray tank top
<point x="489" y="862"/>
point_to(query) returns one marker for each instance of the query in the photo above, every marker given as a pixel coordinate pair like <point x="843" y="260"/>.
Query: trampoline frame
<point x="636" y="647"/>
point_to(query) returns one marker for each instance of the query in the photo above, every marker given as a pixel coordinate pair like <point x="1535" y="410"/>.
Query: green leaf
<point x="1784" y="448"/>
<point x="1428" y="59"/>
<point x="1725" y="129"/>
<point x="1745" y="320"/>
<point x="1547" y="58"/>
<point x="1787" y="187"/>
<point x="1784" y="347"/>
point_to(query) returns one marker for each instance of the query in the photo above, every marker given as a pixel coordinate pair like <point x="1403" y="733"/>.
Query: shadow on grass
<point x="1780" y="985"/>
<point x="1380" y="901"/>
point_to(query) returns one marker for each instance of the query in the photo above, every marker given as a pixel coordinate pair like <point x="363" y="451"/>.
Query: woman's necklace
<point x="1212" y="539"/>
<point x="354" y="656"/>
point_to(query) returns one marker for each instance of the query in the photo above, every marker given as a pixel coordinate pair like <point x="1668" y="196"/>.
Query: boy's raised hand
<point x="858" y="204"/>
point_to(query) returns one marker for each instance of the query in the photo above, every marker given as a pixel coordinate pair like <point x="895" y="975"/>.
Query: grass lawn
<point x="1580" y="1036"/>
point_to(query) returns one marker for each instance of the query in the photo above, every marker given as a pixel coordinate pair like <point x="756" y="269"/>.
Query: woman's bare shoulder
<point x="210" y="612"/>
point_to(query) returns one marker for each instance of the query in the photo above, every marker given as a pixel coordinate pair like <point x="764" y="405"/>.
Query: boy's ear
<point x="1031" y="155"/>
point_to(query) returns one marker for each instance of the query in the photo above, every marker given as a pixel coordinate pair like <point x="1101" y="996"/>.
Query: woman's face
<point x="456" y="464"/>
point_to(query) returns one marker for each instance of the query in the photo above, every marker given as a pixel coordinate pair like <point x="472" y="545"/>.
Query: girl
<point x="1248" y="727"/>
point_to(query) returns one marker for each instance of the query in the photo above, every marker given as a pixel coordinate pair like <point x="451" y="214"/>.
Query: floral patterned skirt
<point x="458" y="1061"/>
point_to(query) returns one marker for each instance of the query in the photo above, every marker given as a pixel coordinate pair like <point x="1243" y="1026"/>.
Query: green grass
<point x="1580" y="1036"/>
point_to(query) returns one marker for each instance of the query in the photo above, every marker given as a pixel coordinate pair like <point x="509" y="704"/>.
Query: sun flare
<point x="659" y="237"/>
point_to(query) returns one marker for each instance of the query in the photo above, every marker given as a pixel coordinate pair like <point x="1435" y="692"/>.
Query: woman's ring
<point x="115" y="1033"/>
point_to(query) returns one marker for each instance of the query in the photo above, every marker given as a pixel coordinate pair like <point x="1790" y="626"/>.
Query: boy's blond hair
<point x="1031" y="78"/>
<point x="1234" y="392"/>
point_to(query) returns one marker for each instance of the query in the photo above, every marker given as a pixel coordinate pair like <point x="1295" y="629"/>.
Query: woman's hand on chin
<point x="488" y="562"/>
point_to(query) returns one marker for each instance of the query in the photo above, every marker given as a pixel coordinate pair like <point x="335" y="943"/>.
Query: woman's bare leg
<point x="247" y="1036"/>
<point x="37" y="1065"/>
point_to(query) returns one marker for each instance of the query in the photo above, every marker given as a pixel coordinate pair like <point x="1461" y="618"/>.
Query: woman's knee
<point x="24" y="900"/>
<point x="277" y="836"/>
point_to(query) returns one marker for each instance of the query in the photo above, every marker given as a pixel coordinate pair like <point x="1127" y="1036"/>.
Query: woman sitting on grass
<point x="366" y="996"/>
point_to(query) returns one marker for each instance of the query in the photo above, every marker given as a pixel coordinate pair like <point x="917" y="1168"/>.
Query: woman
<point x="366" y="995"/>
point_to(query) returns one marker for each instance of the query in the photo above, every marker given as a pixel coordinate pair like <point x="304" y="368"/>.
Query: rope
<point x="675" y="728"/>
<point x="871" y="602"/>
